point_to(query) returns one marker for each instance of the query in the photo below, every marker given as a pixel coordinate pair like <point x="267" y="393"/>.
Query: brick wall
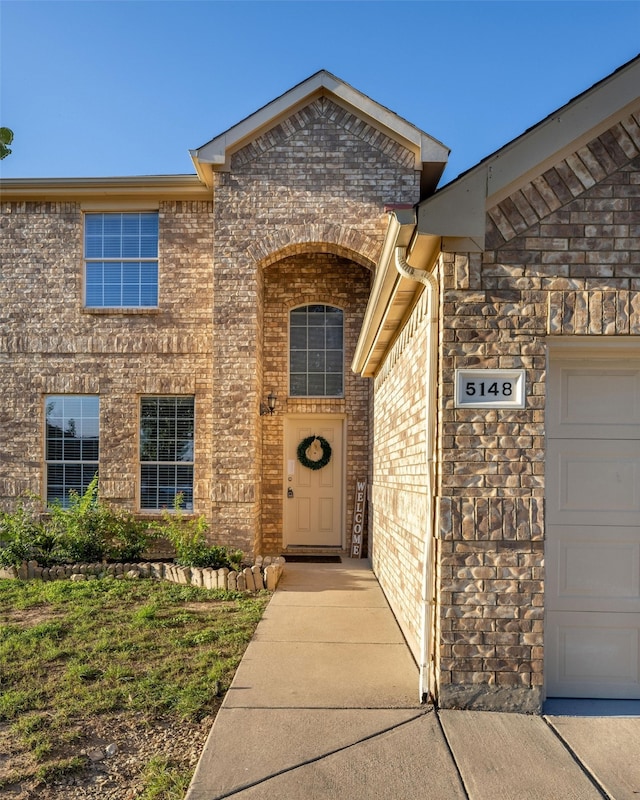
<point x="400" y="501"/>
<point x="563" y="257"/>
<point x="50" y="344"/>
<point x="313" y="189"/>
<point x="315" y="184"/>
<point x="294" y="281"/>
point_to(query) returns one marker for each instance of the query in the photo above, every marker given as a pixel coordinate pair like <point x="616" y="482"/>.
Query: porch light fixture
<point x="270" y="407"/>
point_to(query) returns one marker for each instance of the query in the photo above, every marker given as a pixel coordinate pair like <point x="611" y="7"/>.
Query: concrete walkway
<point x="324" y="706"/>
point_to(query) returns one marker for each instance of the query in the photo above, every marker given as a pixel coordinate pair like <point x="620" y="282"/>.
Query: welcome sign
<point x="357" y="531"/>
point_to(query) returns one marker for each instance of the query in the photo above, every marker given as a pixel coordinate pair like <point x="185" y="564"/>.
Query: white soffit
<point x="215" y="153"/>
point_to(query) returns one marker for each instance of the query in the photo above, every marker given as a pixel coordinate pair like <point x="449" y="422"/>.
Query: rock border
<point x="264" y="574"/>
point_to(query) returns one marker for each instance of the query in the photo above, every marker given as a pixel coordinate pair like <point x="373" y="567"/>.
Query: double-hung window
<point x="316" y="351"/>
<point x="121" y="260"/>
<point x="72" y="442"/>
<point x="166" y="452"/>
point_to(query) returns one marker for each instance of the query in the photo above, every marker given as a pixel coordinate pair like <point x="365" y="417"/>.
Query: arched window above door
<point x="316" y="351"/>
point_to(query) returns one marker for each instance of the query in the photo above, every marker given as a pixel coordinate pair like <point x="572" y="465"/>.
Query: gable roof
<point x="430" y="154"/>
<point x="454" y="218"/>
<point x="458" y="209"/>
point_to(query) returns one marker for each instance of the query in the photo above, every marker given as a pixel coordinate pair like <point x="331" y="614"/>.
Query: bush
<point x="81" y="528"/>
<point x="21" y="531"/>
<point x="188" y="537"/>
<point x="87" y="530"/>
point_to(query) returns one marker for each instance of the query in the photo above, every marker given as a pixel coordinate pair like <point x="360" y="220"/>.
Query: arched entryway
<point x="312" y="302"/>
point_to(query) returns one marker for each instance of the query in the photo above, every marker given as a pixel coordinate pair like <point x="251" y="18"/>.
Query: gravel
<point x="117" y="750"/>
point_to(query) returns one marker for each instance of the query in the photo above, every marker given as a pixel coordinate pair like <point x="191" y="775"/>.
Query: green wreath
<point x="319" y="463"/>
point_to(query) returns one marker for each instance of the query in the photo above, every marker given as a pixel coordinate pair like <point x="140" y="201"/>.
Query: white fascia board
<point x="385" y="283"/>
<point x="169" y="186"/>
<point x="458" y="210"/>
<point x="433" y="151"/>
<point x="564" y="132"/>
<point x="215" y="152"/>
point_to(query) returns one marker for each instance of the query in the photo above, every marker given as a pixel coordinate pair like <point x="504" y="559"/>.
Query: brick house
<point x="471" y="351"/>
<point x="506" y="423"/>
<point x="146" y="321"/>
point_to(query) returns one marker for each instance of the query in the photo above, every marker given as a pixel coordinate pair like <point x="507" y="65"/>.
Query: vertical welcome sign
<point x="357" y="531"/>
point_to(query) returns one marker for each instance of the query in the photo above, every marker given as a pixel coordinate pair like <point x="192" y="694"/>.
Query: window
<point x="166" y="451"/>
<point x="121" y="260"/>
<point x="316" y="352"/>
<point x="72" y="443"/>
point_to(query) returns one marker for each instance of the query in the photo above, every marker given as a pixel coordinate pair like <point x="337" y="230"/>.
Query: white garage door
<point x="592" y="626"/>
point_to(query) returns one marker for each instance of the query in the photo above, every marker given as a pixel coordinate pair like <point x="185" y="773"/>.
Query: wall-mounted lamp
<point x="270" y="407"/>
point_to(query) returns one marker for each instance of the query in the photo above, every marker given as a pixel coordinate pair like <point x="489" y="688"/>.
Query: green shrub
<point x="128" y="537"/>
<point x="87" y="530"/>
<point x="21" y="531"/>
<point x="189" y="538"/>
<point x="81" y="528"/>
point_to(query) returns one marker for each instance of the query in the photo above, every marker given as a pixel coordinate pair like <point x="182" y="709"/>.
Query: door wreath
<point x="314" y="452"/>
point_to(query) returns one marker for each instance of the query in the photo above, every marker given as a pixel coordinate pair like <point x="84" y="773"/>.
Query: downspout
<point x="427" y="600"/>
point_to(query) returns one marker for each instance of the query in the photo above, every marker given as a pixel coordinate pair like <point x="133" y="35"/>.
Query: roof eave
<point x="457" y="211"/>
<point x="171" y="187"/>
<point x="430" y="155"/>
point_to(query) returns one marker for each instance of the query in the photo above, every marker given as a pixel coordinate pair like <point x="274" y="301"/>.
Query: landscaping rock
<point x="95" y="754"/>
<point x="10" y="573"/>
<point x="197" y="579"/>
<point x="222" y="578"/>
<point x="257" y="577"/>
<point x="265" y="573"/>
<point x="184" y="575"/>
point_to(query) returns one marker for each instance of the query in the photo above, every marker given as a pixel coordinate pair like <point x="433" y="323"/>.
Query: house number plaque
<point x="489" y="388"/>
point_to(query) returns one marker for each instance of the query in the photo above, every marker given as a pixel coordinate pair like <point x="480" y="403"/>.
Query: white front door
<point x="313" y="498"/>
<point x="592" y="626"/>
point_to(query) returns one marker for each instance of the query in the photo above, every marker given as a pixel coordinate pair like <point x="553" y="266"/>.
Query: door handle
<point x="289" y="492"/>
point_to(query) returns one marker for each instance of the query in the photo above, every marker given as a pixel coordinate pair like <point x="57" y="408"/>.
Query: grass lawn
<point x="136" y="652"/>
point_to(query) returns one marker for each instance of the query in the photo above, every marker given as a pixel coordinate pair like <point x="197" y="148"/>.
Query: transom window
<point x="166" y="452"/>
<point x="121" y="260"/>
<point x="72" y="444"/>
<point x="316" y="352"/>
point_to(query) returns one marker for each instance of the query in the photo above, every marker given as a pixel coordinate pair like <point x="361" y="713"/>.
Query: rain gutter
<point x="427" y="598"/>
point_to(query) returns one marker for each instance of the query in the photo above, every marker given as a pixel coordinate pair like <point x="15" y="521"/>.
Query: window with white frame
<point x="72" y="442"/>
<point x="166" y="452"/>
<point x="121" y="259"/>
<point x="316" y="351"/>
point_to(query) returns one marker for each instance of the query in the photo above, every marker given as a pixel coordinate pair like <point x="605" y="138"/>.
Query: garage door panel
<point x="592" y="525"/>
<point x="594" y="482"/>
<point x="595" y="401"/>
<point x="594" y="569"/>
<point x="596" y="655"/>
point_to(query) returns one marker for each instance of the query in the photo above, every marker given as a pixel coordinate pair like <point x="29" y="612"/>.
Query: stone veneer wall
<point x="316" y="183"/>
<point x="294" y="281"/>
<point x="50" y="344"/>
<point x="562" y="257"/>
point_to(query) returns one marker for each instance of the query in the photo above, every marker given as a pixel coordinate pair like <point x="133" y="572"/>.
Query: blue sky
<point x="127" y="87"/>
